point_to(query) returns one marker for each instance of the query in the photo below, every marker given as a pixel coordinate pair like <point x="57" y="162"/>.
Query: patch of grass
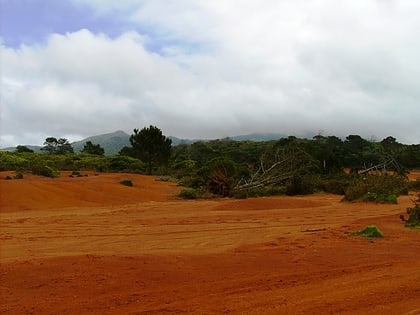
<point x="126" y="182"/>
<point x="369" y="232"/>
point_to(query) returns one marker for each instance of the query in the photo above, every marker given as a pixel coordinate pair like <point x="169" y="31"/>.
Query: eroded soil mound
<point x="40" y="193"/>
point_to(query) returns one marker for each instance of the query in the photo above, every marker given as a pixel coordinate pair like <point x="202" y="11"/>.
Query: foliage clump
<point x="413" y="214"/>
<point x="376" y="188"/>
<point x="369" y="232"/>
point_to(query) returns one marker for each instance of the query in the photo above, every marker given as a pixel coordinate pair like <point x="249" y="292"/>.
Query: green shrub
<point x="413" y="214"/>
<point x="45" y="170"/>
<point x="8" y="177"/>
<point x="379" y="198"/>
<point x="370" y="231"/>
<point x="126" y="182"/>
<point x="376" y="188"/>
<point x="189" y="193"/>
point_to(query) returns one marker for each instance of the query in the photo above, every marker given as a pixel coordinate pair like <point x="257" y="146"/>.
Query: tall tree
<point x="151" y="146"/>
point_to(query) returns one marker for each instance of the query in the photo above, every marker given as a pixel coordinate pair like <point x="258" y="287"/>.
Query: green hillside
<point x="111" y="142"/>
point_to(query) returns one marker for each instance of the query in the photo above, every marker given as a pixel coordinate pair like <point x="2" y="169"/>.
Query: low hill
<point x="111" y="142"/>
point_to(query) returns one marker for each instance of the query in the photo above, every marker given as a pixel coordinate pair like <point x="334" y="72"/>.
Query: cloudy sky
<point x="209" y="69"/>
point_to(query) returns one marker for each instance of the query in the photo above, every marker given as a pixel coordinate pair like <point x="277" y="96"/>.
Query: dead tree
<point x="389" y="163"/>
<point x="286" y="163"/>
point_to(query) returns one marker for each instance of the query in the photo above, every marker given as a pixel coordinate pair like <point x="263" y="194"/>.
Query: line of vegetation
<point x="375" y="171"/>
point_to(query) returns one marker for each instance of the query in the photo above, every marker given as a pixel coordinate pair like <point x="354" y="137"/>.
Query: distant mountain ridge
<point x="113" y="142"/>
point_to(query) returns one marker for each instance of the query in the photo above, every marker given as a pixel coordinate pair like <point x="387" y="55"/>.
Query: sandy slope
<point x="92" y="246"/>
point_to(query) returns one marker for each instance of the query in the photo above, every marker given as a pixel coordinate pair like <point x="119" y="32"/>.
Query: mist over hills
<point x="113" y="142"/>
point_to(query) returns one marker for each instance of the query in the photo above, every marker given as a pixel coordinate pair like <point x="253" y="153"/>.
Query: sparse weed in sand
<point x="126" y="182"/>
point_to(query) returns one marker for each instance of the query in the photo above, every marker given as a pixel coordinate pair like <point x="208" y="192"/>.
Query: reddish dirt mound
<point x="90" y="245"/>
<point x="36" y="193"/>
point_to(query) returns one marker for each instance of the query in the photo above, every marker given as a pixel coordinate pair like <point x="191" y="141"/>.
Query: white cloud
<point x="223" y="68"/>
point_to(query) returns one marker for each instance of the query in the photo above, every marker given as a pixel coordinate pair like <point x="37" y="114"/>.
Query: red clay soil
<point x="90" y="245"/>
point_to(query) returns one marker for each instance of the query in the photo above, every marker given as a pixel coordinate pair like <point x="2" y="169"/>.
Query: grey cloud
<point x="285" y="66"/>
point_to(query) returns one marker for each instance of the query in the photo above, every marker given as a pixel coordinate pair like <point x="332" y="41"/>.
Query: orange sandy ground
<point x="89" y="245"/>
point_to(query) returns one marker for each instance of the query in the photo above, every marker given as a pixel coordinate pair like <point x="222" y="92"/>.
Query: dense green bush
<point x="45" y="170"/>
<point x="124" y="164"/>
<point x="377" y="188"/>
<point x="10" y="161"/>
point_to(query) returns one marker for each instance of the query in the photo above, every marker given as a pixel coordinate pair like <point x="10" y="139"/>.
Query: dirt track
<point x="89" y="245"/>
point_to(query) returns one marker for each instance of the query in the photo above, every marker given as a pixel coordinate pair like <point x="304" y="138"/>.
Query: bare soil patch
<point x="90" y="245"/>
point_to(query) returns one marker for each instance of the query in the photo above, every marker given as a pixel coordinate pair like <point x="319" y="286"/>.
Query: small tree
<point x="151" y="146"/>
<point x="91" y="148"/>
